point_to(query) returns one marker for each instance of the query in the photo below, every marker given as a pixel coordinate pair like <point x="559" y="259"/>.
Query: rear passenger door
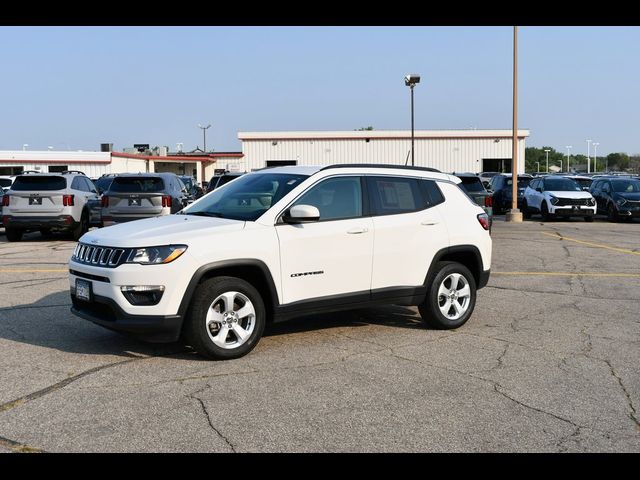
<point x="409" y="230"/>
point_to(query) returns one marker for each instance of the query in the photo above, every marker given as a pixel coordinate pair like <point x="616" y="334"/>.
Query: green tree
<point x="617" y="161"/>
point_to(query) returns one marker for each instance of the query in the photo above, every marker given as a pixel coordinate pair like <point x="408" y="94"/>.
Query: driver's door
<point x="333" y="255"/>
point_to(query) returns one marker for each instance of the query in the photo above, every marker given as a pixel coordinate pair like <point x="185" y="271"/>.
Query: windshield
<point x="583" y="182"/>
<point x="523" y="182"/>
<point x="626" y="186"/>
<point x="472" y="185"/>
<point x="137" y="184"/>
<point x="561" y="185"/>
<point x="248" y="197"/>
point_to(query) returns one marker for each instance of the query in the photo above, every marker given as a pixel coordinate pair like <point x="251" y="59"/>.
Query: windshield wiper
<point x="204" y="214"/>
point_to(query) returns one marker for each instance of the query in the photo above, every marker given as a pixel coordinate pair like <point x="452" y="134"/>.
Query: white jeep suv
<point x="66" y="201"/>
<point x="283" y="242"/>
<point x="557" y="196"/>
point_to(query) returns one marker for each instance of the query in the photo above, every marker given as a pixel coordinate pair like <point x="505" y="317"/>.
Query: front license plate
<point x="83" y="290"/>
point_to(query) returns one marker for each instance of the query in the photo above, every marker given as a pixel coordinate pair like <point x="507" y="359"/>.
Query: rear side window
<point x="137" y="184"/>
<point x="39" y="183"/>
<point x="432" y="192"/>
<point x="394" y="195"/>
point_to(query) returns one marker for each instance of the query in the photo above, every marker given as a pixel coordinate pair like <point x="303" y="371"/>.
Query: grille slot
<point x="109" y="257"/>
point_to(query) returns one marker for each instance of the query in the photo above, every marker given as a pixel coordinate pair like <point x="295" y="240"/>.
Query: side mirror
<point x="301" y="214"/>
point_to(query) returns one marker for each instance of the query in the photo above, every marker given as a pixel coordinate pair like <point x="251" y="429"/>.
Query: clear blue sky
<point x="76" y="87"/>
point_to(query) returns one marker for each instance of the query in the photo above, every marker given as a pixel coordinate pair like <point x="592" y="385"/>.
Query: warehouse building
<point x="447" y="150"/>
<point x="94" y="164"/>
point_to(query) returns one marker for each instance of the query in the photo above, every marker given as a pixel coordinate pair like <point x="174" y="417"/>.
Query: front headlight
<point x="156" y="255"/>
<point x="621" y="201"/>
<point x="553" y="200"/>
<point x="592" y="202"/>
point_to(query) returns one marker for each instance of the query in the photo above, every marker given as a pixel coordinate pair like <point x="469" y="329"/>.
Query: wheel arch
<point x="467" y="255"/>
<point x="253" y="271"/>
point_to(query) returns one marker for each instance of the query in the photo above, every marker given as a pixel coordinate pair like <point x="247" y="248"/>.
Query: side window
<point x="433" y="193"/>
<point x="335" y="198"/>
<point x="76" y="184"/>
<point x="606" y="187"/>
<point x="534" y="184"/>
<point x="394" y="195"/>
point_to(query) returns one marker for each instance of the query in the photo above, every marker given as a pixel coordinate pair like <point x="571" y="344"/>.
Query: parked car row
<point x="565" y="195"/>
<point x="70" y="202"/>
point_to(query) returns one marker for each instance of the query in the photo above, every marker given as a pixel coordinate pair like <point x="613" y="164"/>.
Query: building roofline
<point x="380" y="134"/>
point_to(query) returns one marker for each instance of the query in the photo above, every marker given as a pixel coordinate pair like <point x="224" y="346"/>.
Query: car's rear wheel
<point x="526" y="213"/>
<point x="544" y="211"/>
<point x="83" y="226"/>
<point x="13" y="234"/>
<point x="451" y="297"/>
<point x="226" y="319"/>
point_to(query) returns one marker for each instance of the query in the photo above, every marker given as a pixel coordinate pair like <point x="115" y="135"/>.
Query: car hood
<point x="629" y="196"/>
<point x="565" y="194"/>
<point x="164" y="230"/>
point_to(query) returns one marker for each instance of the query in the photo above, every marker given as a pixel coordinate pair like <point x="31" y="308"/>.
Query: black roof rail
<point x="376" y="165"/>
<point x="64" y="172"/>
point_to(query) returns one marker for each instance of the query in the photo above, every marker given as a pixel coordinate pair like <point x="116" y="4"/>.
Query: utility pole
<point x="204" y="133"/>
<point x="514" y="215"/>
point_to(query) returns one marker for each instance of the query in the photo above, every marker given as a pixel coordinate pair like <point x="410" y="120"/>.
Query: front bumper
<point x="484" y="279"/>
<point x="573" y="211"/>
<point x="629" y="211"/>
<point x="27" y="223"/>
<point x="105" y="312"/>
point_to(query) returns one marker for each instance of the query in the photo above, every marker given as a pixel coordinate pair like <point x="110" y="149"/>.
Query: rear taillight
<point x="166" y="201"/>
<point x="483" y="218"/>
<point x="104" y="202"/>
<point x="67" y="200"/>
<point x="488" y="201"/>
<point x="5" y="201"/>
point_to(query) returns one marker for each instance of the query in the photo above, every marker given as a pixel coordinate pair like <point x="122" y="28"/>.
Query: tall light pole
<point x="514" y="215"/>
<point x="595" y="156"/>
<point x="538" y="163"/>
<point x="204" y="133"/>
<point x="588" y="156"/>
<point x="569" y="147"/>
<point x="410" y="81"/>
<point x="547" y="152"/>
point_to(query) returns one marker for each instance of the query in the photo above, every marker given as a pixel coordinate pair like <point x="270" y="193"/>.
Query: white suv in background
<point x="66" y="201"/>
<point x="284" y="242"/>
<point x="557" y="196"/>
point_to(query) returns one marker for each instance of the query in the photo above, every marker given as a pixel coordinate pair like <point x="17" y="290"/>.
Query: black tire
<point x="526" y="213"/>
<point x="588" y="218"/>
<point x="196" y="332"/>
<point x="544" y="211"/>
<point x="612" y="215"/>
<point x="13" y="234"/>
<point x="430" y="308"/>
<point x="82" y="227"/>
<point x="496" y="207"/>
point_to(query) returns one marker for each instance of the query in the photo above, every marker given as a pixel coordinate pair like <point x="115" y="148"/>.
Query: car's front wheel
<point x="226" y="319"/>
<point x="451" y="297"/>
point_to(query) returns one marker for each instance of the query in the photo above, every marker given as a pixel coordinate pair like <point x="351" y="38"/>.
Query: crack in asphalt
<point x="562" y="294"/>
<point x="31" y="280"/>
<point x="18" y="447"/>
<point x="25" y="307"/>
<point x="206" y="413"/>
<point x="632" y="414"/>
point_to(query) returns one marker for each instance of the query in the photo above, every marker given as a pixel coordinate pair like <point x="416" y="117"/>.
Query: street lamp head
<point x="411" y="79"/>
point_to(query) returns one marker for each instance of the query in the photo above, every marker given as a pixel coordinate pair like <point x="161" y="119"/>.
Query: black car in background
<point x="104" y="182"/>
<point x="618" y="198"/>
<point x="502" y="185"/>
<point x="193" y="188"/>
<point x="219" y="180"/>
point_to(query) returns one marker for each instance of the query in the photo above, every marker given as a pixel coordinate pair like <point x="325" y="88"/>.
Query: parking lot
<point x="548" y="362"/>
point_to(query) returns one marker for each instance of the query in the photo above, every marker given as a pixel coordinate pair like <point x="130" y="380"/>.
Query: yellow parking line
<point x="20" y="270"/>
<point x="597" y="245"/>
<point x="571" y="274"/>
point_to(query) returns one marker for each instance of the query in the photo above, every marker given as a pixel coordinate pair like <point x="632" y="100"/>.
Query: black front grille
<point x="109" y="257"/>
<point x="562" y="202"/>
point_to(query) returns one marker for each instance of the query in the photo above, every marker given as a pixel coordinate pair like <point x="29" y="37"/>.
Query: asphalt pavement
<point x="547" y="363"/>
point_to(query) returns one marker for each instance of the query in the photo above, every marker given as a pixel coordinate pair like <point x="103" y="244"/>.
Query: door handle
<point x="428" y="223"/>
<point x="358" y="230"/>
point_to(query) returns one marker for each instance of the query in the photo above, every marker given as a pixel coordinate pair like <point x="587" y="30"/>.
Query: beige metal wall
<point x="445" y="154"/>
